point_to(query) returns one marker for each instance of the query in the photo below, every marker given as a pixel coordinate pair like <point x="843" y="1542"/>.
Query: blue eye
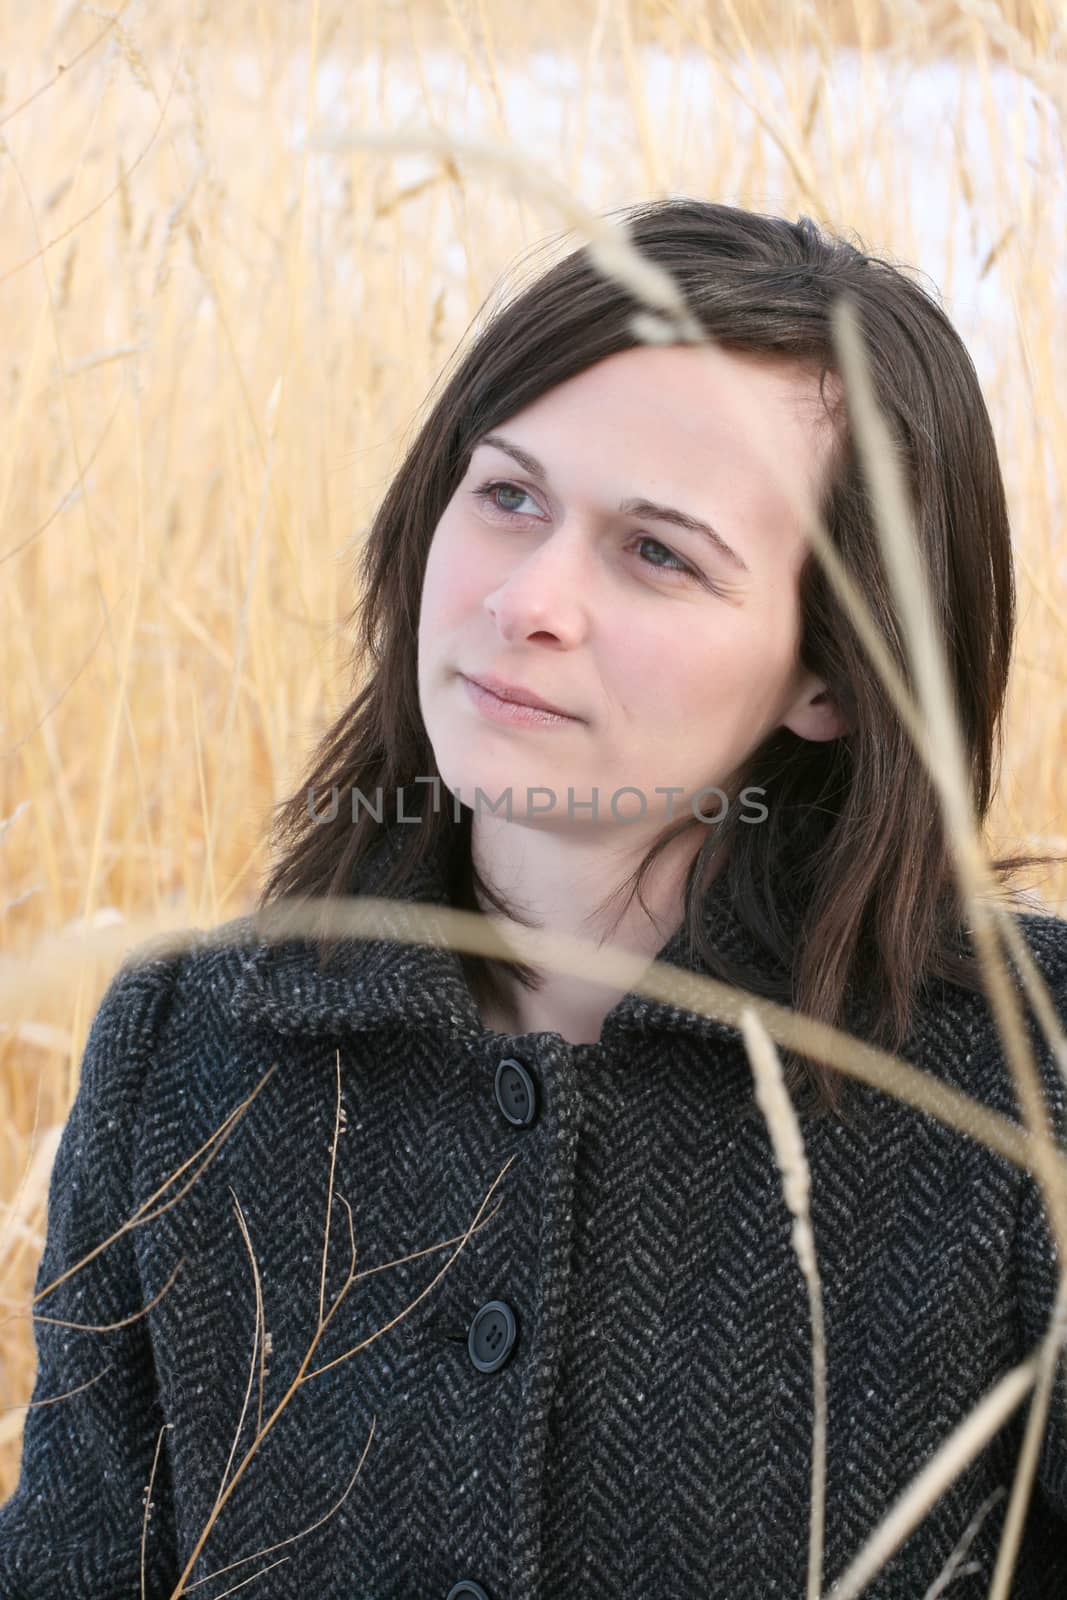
<point x="683" y="571"/>
<point x="488" y="491"/>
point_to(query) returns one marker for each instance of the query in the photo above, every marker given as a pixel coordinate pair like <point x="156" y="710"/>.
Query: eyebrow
<point x="636" y="506"/>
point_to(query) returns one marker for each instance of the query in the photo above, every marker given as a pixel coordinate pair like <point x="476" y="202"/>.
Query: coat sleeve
<point x="73" y="1526"/>
<point x="1038" y="1270"/>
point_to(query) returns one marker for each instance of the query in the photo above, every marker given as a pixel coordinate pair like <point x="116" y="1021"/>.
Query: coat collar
<point x="375" y="983"/>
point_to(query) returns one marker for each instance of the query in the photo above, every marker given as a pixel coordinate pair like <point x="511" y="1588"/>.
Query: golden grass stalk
<point x="941" y="748"/>
<point x="53" y="961"/>
<point x="772" y="1097"/>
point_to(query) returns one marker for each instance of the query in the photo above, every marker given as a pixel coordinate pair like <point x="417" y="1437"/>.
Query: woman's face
<point x="674" y="657"/>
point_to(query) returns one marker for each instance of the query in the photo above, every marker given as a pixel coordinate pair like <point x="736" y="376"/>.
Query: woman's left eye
<point x="487" y="494"/>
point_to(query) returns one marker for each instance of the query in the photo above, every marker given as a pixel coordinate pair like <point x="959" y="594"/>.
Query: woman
<point x="609" y="1389"/>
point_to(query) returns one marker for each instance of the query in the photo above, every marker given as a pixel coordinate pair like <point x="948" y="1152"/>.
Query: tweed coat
<point x="607" y="1391"/>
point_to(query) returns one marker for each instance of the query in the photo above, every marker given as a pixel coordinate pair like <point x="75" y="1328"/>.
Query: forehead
<point x="702" y="390"/>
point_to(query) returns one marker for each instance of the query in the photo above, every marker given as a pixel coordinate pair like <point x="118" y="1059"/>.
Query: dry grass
<point x="193" y="375"/>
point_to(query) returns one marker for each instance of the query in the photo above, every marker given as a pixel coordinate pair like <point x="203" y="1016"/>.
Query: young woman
<point x="609" y="1388"/>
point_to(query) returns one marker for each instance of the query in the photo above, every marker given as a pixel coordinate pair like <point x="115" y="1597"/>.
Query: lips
<point x="516" y="694"/>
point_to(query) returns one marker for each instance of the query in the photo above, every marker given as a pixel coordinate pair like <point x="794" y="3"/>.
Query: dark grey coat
<point x="609" y="1390"/>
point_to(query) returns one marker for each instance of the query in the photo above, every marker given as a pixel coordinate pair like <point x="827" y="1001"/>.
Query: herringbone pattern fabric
<point x="650" y="1434"/>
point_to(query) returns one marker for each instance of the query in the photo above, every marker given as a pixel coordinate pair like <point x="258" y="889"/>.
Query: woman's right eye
<point x="487" y="491"/>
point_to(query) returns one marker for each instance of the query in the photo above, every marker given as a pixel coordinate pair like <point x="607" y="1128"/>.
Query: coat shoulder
<point x="1044" y="936"/>
<point x="169" y="998"/>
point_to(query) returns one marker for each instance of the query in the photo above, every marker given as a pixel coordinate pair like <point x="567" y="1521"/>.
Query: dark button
<point x="492" y="1336"/>
<point x="466" y="1589"/>
<point x="516" y="1092"/>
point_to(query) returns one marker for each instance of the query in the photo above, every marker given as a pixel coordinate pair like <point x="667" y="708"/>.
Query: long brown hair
<point x="852" y="839"/>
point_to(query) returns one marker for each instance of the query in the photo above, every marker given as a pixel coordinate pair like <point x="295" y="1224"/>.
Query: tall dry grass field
<point x="218" y="338"/>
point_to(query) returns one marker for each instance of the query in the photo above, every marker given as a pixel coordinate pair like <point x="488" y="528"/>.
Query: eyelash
<point x="683" y="573"/>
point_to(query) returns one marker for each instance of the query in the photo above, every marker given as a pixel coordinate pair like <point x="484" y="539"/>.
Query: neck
<point x="558" y="880"/>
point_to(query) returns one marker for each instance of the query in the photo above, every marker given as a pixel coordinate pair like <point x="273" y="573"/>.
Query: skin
<point x="676" y="679"/>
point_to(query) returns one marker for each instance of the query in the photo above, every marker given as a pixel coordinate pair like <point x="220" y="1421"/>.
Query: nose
<point x="544" y="591"/>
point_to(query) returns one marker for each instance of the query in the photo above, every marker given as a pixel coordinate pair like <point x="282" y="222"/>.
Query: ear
<point x="815" y="714"/>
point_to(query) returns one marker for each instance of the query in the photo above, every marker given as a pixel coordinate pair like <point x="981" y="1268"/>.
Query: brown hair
<point x="848" y="840"/>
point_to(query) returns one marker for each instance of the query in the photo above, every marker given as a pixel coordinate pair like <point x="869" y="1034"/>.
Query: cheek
<point x="727" y="670"/>
<point x="452" y="584"/>
<point x="673" y="666"/>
